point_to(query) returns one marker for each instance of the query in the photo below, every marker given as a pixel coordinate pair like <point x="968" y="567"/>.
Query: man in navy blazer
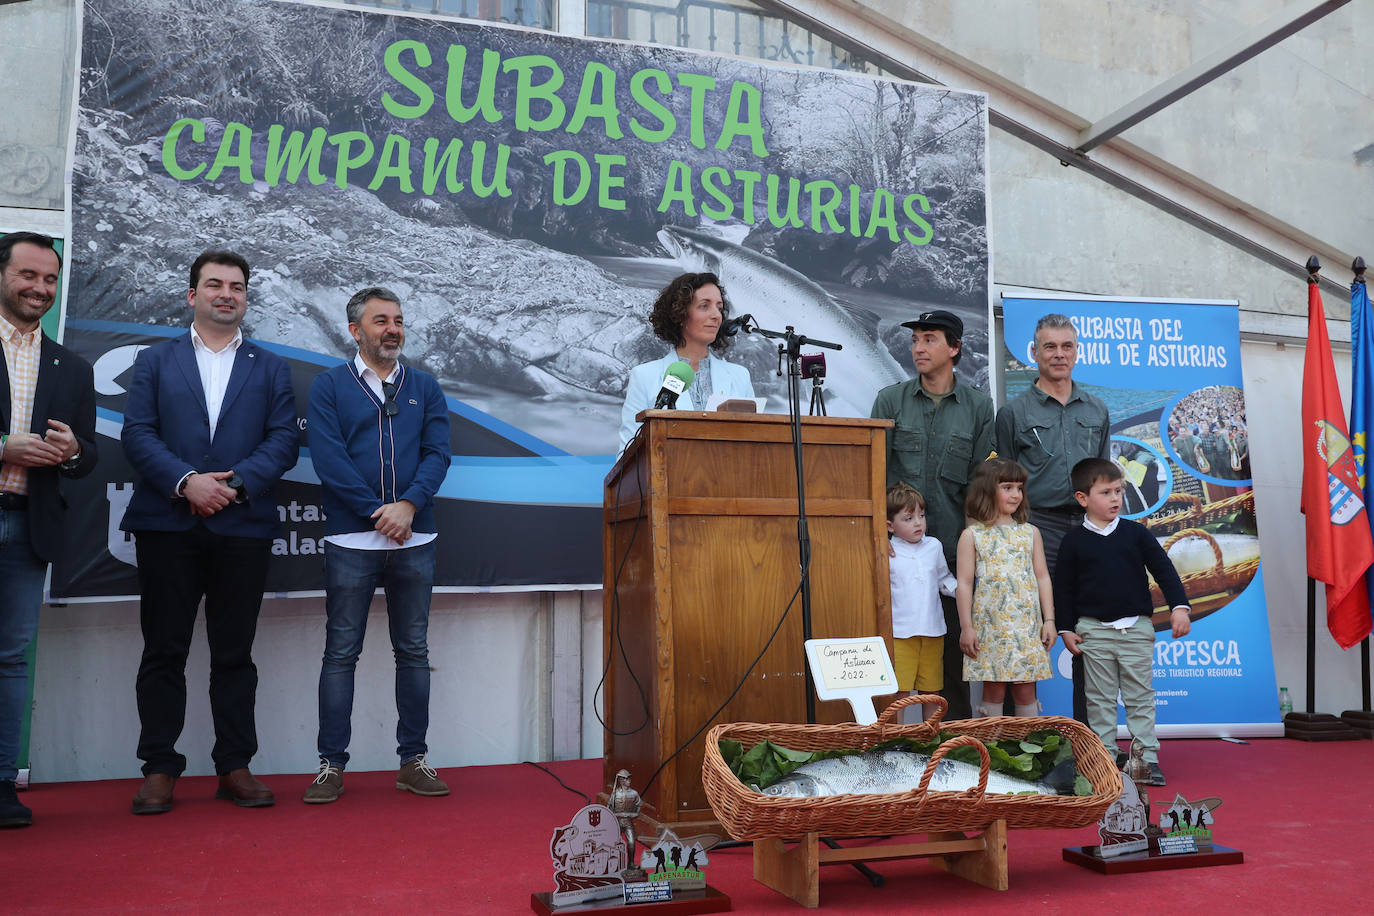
<point x="209" y="428"/>
<point x="47" y="436"/>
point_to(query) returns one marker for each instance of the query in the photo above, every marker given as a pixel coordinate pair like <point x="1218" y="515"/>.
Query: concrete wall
<point x="1273" y="378"/>
<point x="512" y="679"/>
<point x="36" y="72"/>
<point x="1287" y="132"/>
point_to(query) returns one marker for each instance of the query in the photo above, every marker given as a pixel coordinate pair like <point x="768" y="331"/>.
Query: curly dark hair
<point x="669" y="313"/>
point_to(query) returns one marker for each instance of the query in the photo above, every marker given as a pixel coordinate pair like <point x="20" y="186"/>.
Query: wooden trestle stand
<point x="701" y="558"/>
<point x="794" y="872"/>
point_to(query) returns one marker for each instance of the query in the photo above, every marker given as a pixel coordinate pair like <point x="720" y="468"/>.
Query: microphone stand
<point x="790" y="349"/>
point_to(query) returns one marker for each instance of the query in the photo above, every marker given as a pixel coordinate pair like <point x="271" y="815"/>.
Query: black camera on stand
<point x="812" y="366"/>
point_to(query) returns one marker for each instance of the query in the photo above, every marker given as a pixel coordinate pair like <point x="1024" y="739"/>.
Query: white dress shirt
<point x="918" y="574"/>
<point x="215" y="369"/>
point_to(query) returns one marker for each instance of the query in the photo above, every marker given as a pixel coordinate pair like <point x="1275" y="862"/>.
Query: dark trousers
<point x="955" y="691"/>
<point x="1053" y="526"/>
<point x="176" y="569"/>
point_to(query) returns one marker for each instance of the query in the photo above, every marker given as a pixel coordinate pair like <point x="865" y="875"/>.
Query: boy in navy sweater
<point x="1102" y="600"/>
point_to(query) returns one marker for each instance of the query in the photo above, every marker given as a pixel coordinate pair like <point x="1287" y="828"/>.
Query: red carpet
<point x="1302" y="813"/>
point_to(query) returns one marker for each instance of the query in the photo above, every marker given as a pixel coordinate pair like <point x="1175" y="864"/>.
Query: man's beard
<point x="13" y="305"/>
<point x="386" y="350"/>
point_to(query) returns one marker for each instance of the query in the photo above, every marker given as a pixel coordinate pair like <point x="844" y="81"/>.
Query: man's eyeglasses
<point x="389" y="405"/>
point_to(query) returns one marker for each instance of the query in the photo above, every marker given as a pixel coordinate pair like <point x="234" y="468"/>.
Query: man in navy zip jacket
<point x="379" y="439"/>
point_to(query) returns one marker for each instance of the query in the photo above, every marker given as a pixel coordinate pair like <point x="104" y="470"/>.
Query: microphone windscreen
<point x="675" y="381"/>
<point x="682" y="371"/>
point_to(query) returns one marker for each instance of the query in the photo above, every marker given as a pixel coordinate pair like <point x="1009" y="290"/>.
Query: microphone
<point x="675" y="381"/>
<point x="735" y="325"/>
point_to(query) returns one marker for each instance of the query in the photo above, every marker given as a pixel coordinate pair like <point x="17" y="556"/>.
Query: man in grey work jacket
<point x="1048" y="428"/>
<point x="943" y="429"/>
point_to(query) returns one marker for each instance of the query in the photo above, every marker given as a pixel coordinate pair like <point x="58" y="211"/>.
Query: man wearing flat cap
<point x="943" y="429"/>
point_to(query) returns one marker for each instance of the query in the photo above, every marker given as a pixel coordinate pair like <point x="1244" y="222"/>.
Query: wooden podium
<point x="700" y="560"/>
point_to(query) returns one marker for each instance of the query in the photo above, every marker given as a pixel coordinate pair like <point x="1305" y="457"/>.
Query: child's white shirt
<point x="919" y="574"/>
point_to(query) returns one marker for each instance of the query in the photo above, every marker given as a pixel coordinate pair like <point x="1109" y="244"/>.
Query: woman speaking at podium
<point x="689" y="313"/>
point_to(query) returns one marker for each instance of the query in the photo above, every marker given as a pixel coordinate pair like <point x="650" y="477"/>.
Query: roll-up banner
<point x="1169" y="372"/>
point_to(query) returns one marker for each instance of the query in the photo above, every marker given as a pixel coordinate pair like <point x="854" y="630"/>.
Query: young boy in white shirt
<point x="918" y="574"/>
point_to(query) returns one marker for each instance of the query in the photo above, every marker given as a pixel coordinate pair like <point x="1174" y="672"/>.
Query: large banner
<point x="526" y="194"/>
<point x="1170" y="375"/>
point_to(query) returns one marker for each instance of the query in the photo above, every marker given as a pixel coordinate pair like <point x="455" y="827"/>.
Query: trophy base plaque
<point x="1152" y="859"/>
<point x="684" y="903"/>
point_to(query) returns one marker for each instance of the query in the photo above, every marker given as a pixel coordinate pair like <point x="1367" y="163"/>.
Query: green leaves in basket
<point x="765" y="763"/>
<point x="1081" y="785"/>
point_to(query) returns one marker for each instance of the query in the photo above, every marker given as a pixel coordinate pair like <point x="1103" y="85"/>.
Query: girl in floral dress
<point x="1006" y="608"/>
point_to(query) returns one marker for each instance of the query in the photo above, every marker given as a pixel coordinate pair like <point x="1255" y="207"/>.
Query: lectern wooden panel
<point x="701" y="560"/>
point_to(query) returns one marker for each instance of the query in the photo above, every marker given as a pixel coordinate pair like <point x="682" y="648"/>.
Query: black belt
<point x="14" y="501"/>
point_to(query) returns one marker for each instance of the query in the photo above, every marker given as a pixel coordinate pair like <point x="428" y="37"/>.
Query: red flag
<point x="1339" y="544"/>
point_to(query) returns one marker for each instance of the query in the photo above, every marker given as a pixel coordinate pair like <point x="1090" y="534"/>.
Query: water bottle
<point x="1285" y="702"/>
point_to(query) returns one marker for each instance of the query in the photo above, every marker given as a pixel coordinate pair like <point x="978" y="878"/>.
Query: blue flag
<point x="1362" y="390"/>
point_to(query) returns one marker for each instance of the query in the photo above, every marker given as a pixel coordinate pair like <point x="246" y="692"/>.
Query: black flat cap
<point x="945" y="321"/>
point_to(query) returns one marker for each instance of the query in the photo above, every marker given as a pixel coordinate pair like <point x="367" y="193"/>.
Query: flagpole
<point x="1312" y="725"/>
<point x="1311" y="649"/>
<point x="1361" y="719"/>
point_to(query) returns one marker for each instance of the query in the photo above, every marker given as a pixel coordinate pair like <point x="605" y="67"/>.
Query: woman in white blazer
<point x="688" y="314"/>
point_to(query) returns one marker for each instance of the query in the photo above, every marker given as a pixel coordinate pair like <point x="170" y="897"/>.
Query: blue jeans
<point x="21" y="597"/>
<point x="350" y="579"/>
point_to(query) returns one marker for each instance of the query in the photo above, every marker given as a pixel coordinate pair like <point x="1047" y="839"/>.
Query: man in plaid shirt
<point x="47" y="434"/>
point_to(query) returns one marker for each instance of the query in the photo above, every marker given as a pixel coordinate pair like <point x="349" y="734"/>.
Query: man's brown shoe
<point x="419" y="777"/>
<point x="327" y="787"/>
<point x="155" y="795"/>
<point x="239" y="787"/>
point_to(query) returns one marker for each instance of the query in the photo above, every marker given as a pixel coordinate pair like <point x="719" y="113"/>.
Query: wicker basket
<point x="1208" y="589"/>
<point x="749" y="815"/>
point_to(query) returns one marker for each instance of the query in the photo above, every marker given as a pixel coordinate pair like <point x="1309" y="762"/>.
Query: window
<point x="725" y="27"/>
<point x="536" y="13"/>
